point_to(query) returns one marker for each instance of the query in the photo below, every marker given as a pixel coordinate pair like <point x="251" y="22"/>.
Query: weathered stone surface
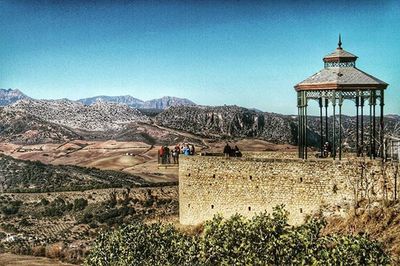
<point x="211" y="185"/>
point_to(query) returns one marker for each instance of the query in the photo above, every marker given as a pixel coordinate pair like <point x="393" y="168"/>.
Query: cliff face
<point x="238" y="122"/>
<point x="228" y="122"/>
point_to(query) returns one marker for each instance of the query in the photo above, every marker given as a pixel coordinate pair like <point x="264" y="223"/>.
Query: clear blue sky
<point x="248" y="53"/>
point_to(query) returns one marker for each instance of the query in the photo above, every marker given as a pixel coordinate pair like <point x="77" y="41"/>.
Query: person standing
<point x="227" y="150"/>
<point x="192" y="149"/>
<point x="160" y="155"/>
<point x="167" y="155"/>
<point x="177" y="151"/>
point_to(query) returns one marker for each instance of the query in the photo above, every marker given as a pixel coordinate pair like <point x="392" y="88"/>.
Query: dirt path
<point x="8" y="259"/>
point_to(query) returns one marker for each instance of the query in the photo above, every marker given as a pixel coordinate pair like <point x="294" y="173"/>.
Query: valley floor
<point x="35" y="222"/>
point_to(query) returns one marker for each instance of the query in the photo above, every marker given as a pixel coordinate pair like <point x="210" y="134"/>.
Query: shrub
<point x="11" y="208"/>
<point x="263" y="240"/>
<point x="44" y="202"/>
<point x="57" y="208"/>
<point x="80" y="204"/>
<point x="139" y="244"/>
<point x="54" y="251"/>
<point x="39" y="251"/>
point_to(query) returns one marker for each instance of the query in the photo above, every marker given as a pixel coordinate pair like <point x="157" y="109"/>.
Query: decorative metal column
<point x="321" y="127"/>
<point x="370" y="124"/>
<point x="340" y="125"/>
<point x="299" y="128"/>
<point x="305" y="125"/>
<point x="334" y="126"/>
<point x="373" y="124"/>
<point x="357" y="137"/>
<point x="326" y="120"/>
<point x="362" y="124"/>
<point x="381" y="122"/>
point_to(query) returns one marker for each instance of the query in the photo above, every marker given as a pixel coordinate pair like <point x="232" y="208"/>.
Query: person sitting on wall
<point x="227" y="150"/>
<point x="237" y="152"/>
<point x="186" y="150"/>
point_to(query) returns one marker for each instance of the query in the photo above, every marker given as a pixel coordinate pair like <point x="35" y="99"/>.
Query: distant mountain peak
<point x="160" y="103"/>
<point x="10" y="96"/>
<point x="166" y="102"/>
<point x="126" y="99"/>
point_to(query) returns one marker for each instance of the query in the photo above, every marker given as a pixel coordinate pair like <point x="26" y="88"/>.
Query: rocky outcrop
<point x="237" y="122"/>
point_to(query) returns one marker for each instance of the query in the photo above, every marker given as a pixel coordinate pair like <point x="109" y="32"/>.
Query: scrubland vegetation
<point x="262" y="240"/>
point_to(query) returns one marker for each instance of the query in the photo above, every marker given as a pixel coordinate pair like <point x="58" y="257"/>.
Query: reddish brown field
<point x="141" y="161"/>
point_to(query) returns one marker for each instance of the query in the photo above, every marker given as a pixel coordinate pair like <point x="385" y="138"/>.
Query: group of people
<point x="232" y="152"/>
<point x="165" y="153"/>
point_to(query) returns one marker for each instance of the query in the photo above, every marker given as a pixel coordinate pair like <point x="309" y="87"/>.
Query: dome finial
<point x="340" y="42"/>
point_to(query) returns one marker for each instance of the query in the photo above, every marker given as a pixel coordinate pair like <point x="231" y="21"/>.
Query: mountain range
<point x="99" y="116"/>
<point x="10" y="96"/>
<point x="39" y="121"/>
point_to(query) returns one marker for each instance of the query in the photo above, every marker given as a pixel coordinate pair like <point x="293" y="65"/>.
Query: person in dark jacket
<point x="227" y="150"/>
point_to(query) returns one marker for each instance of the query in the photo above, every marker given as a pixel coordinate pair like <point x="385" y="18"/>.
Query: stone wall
<point x="211" y="185"/>
<point x="271" y="155"/>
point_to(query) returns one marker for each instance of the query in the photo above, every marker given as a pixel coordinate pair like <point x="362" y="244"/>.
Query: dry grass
<point x="380" y="222"/>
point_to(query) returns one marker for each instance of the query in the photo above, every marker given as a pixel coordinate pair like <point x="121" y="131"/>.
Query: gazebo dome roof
<point x="334" y="78"/>
<point x="340" y="73"/>
<point x="340" y="55"/>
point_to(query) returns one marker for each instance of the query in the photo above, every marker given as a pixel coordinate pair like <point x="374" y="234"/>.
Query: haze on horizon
<point x="248" y="53"/>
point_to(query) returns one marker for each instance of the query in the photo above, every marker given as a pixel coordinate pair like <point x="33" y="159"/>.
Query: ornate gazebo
<point x="341" y="80"/>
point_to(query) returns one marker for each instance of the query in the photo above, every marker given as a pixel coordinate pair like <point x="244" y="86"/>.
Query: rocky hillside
<point x="161" y="103"/>
<point x="234" y="121"/>
<point x="10" y="96"/>
<point x="100" y="116"/>
<point x="229" y="122"/>
<point x="38" y="121"/>
<point x="22" y="127"/>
